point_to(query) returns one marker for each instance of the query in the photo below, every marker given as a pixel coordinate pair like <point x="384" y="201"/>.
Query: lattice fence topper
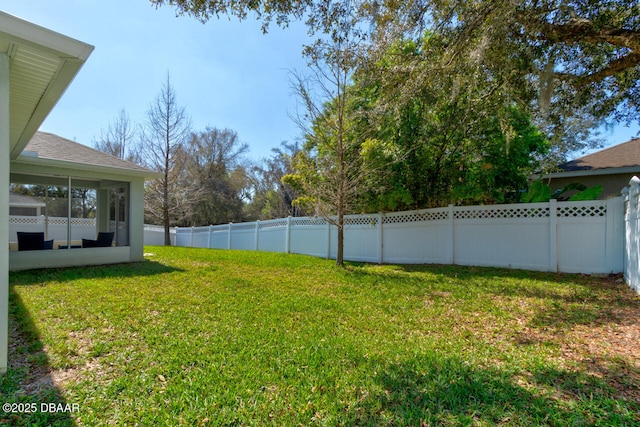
<point x="244" y="226"/>
<point x="433" y="215"/>
<point x="541" y="212"/>
<point x="84" y="222"/>
<point x="200" y="230"/>
<point x="276" y="223"/>
<point x="361" y="220"/>
<point x="25" y="220"/>
<point x="582" y="211"/>
<point x="307" y="221"/>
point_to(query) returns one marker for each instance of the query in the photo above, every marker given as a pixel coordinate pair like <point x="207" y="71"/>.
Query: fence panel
<point x="361" y="238"/>
<point x="581" y="231"/>
<point x="219" y="237"/>
<point x="243" y="236"/>
<point x="584" y="237"/>
<point x="272" y="235"/>
<point x="154" y="235"/>
<point x="309" y="236"/>
<point x="417" y="237"/>
<point x="200" y="237"/>
<point x="513" y="236"/>
<point x="54" y="227"/>
<point x="29" y="224"/>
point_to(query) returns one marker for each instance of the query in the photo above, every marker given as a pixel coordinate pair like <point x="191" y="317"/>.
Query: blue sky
<point x="226" y="73"/>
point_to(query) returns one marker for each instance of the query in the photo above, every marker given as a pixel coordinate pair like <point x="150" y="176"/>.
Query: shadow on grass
<point x="447" y="391"/>
<point x="29" y="388"/>
<point x="569" y="299"/>
<point x="143" y="268"/>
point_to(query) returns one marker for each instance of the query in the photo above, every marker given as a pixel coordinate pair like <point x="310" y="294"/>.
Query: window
<point x="72" y="211"/>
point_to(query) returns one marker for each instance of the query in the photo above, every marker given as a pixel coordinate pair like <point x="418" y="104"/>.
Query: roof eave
<point x="71" y="55"/>
<point x="591" y="172"/>
<point x="84" y="167"/>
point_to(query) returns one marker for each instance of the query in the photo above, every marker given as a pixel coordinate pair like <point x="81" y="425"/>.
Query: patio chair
<point x="104" y="240"/>
<point x="33" y="241"/>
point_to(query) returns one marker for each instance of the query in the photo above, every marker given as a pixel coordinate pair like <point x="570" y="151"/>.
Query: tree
<point x="217" y="176"/>
<point x="272" y="198"/>
<point x="329" y="171"/>
<point x="433" y="135"/>
<point x="118" y="139"/>
<point x="162" y="140"/>
<point x="570" y="64"/>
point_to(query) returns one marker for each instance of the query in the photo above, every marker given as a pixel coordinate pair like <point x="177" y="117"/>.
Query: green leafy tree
<point x="272" y="198"/>
<point x="217" y="182"/>
<point x="570" y="64"/>
<point x="446" y="141"/>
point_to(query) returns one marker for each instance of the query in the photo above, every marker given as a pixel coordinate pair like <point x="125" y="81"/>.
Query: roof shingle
<point x="50" y="146"/>
<point x="622" y="155"/>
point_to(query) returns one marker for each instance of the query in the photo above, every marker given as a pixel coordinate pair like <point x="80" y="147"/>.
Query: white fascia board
<point x="71" y="54"/>
<point x="20" y="31"/>
<point x="590" y="172"/>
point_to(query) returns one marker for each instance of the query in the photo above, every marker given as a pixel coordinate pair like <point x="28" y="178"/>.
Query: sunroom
<point x="91" y="209"/>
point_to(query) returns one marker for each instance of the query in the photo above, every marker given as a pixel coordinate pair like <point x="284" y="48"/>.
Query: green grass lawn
<point x="206" y="337"/>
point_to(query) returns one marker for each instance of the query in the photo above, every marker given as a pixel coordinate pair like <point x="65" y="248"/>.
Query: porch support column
<point x="102" y="214"/>
<point x="5" y="180"/>
<point x="136" y="219"/>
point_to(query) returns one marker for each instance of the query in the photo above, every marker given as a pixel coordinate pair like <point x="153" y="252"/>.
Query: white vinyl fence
<point x="154" y="235"/>
<point x="574" y="237"/>
<point x="632" y="234"/>
<point x="53" y="227"/>
<point x="56" y="227"/>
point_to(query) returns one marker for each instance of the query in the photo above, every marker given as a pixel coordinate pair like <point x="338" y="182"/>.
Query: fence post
<point x="452" y="250"/>
<point x="625" y="226"/>
<point x="634" y="265"/>
<point x="257" y="234"/>
<point x="614" y="244"/>
<point x="553" y="235"/>
<point x="191" y="238"/>
<point x="209" y="237"/>
<point x="380" y="239"/>
<point x="287" y="243"/>
<point x="328" y="239"/>
<point x="229" y="239"/>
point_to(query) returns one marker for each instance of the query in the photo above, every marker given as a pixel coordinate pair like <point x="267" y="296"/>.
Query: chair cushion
<point x="88" y="243"/>
<point x="104" y="239"/>
<point x="29" y="241"/>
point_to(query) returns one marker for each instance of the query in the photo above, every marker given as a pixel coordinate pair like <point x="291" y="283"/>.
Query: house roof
<point x="47" y="148"/>
<point x="20" y="200"/>
<point x="619" y="159"/>
<point x="42" y="64"/>
<point x="622" y="155"/>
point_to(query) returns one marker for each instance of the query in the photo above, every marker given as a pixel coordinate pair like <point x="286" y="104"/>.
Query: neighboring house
<point x="36" y="67"/>
<point x="21" y="205"/>
<point x="612" y="168"/>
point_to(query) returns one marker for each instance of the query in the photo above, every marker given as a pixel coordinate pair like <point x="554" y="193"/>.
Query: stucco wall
<point x="612" y="184"/>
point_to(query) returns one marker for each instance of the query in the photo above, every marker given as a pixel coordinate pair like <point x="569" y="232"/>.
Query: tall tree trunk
<point x="165" y="209"/>
<point x="341" y="202"/>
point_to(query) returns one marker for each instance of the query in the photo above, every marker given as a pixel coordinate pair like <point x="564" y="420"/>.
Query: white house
<point x="36" y="67"/>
